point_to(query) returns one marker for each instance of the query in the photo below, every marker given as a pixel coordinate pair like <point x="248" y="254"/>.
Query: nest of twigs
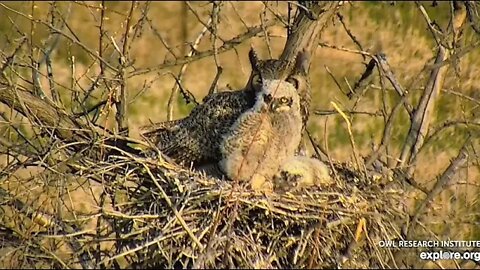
<point x="155" y="214"/>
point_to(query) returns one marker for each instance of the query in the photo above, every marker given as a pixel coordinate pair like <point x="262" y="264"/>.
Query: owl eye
<point x="267" y="98"/>
<point x="294" y="82"/>
<point x="284" y="100"/>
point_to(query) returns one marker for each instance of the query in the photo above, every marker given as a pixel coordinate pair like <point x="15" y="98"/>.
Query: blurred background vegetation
<point x="398" y="30"/>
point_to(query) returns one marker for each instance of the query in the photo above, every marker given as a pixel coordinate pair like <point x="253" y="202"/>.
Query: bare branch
<point x="335" y="80"/>
<point x="73" y="38"/>
<point x="350" y="34"/>
<point x="363" y="53"/>
<point x="306" y="32"/>
<point x="442" y="181"/>
<point x="381" y="59"/>
<point x="473" y="15"/>
<point x="121" y="102"/>
<point x="422" y="116"/>
<point x="213" y="86"/>
<point x="14" y="97"/>
<point x="364" y="81"/>
<point x="331" y="112"/>
<point x="174" y="92"/>
<point x="10" y="59"/>
<point x="227" y="45"/>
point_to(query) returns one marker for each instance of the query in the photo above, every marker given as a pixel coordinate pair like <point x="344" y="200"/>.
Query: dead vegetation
<point x="78" y="191"/>
<point x="151" y="214"/>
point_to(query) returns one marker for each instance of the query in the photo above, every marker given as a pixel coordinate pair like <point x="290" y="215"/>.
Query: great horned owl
<point x="197" y="137"/>
<point x="265" y="136"/>
<point x="299" y="171"/>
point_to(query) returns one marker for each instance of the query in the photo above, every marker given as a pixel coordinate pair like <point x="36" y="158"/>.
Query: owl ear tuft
<point x="252" y="56"/>
<point x="302" y="62"/>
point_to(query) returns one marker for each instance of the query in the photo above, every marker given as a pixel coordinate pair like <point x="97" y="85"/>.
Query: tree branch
<point x="443" y="181"/>
<point x="226" y="46"/>
<point x="423" y="114"/>
<point x="305" y="32"/>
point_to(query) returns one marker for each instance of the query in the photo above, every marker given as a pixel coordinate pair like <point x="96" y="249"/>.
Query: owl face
<point x="275" y="69"/>
<point x="277" y="83"/>
<point x="272" y="72"/>
<point x="277" y="96"/>
<point x="278" y="104"/>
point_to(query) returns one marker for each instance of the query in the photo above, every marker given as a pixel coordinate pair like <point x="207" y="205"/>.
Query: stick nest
<point x="155" y="214"/>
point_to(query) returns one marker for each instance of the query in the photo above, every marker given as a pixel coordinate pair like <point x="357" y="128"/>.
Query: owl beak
<point x="274" y="105"/>
<point x="277" y="106"/>
<point x="270" y="103"/>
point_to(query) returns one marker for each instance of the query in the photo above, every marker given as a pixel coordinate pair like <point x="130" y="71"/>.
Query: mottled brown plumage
<point x="197" y="137"/>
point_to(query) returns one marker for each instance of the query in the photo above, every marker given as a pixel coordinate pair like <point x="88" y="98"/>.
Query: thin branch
<point x="208" y="25"/>
<point x="364" y="81"/>
<point x="363" y="53"/>
<point x="187" y="95"/>
<point x="335" y="80"/>
<point x="69" y="37"/>
<point x="121" y="102"/>
<point x="435" y="32"/>
<point x="266" y="35"/>
<point x="213" y="86"/>
<point x="37" y="86"/>
<point x="422" y="116"/>
<point x="332" y="112"/>
<point x="442" y="181"/>
<point x="10" y="59"/>
<point x="327" y="151"/>
<point x="381" y="59"/>
<point x="227" y="45"/>
<point x="174" y="92"/>
<point x="350" y="34"/>
<point x="100" y="38"/>
<point x="160" y="37"/>
<point x="387" y="133"/>
<point x="434" y="132"/>
<point x="473" y="15"/>
<point x="352" y="142"/>
<point x="215" y="20"/>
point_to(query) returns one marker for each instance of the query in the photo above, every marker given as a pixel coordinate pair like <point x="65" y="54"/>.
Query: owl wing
<point x="157" y="132"/>
<point x="197" y="137"/>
